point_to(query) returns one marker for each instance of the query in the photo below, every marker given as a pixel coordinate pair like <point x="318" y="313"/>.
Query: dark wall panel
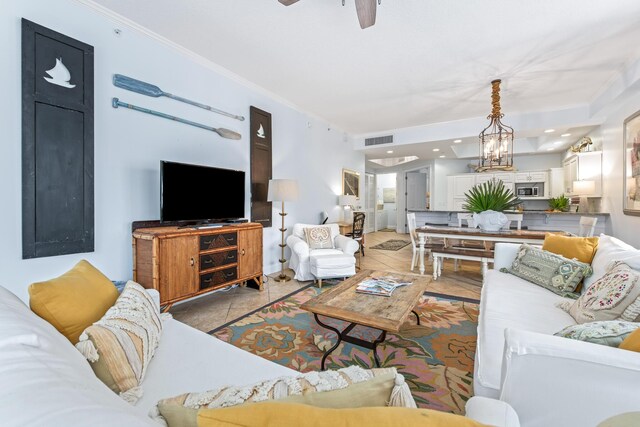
<point x="261" y="166"/>
<point x="57" y="143"/>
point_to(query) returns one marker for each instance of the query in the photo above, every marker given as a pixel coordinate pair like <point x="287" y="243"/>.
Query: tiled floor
<point x="213" y="310"/>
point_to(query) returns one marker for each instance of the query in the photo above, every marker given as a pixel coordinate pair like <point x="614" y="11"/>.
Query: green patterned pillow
<point x="551" y="271"/>
<point x="609" y="332"/>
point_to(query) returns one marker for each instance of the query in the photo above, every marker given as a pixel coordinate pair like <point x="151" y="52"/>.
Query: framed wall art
<point x="631" y="171"/>
<point x="350" y="183"/>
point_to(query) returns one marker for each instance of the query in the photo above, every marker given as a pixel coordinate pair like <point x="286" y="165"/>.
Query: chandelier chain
<point x="495" y="100"/>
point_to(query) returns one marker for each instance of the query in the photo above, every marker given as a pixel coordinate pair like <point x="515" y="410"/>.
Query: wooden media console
<point x="181" y="263"/>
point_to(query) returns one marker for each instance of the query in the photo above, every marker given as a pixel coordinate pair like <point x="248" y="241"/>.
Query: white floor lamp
<point x="282" y="190"/>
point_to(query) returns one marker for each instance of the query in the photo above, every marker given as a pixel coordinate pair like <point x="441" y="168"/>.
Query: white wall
<point x="610" y="137"/>
<point x="130" y="145"/>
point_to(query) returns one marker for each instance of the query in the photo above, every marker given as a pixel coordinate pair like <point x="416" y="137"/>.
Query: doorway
<point x="370" y="202"/>
<point x="417" y="192"/>
<point x="386" y="203"/>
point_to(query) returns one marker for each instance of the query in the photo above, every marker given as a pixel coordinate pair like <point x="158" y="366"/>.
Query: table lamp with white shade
<point x="347" y="202"/>
<point x="583" y="189"/>
<point x="282" y="190"/>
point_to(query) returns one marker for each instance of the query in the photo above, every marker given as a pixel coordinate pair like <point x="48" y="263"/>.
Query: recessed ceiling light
<point x="436" y="149"/>
<point x="457" y="141"/>
<point x="443" y="156"/>
<point x="566" y="134"/>
<point x="549" y="130"/>
<point x="550" y="149"/>
<point x="389" y="151"/>
<point x="557" y="142"/>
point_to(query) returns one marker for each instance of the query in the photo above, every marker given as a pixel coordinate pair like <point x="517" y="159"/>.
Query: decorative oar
<point x="225" y="133"/>
<point x="148" y="89"/>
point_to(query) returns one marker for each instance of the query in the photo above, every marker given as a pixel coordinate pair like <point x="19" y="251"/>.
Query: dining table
<point x="470" y="233"/>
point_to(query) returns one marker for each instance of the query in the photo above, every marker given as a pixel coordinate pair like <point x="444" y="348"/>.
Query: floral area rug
<point x="391" y="245"/>
<point x="436" y="358"/>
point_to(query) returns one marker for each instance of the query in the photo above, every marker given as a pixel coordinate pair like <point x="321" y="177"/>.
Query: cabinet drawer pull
<point x="208" y="261"/>
<point x="208" y="280"/>
<point x="229" y="274"/>
<point x="243" y="252"/>
<point x="192" y="262"/>
<point x="207" y="242"/>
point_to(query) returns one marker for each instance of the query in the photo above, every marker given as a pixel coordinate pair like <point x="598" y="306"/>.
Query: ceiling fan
<point x="366" y="10"/>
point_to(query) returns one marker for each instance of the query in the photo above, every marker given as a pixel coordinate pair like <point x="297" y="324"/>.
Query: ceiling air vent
<point x="379" y="140"/>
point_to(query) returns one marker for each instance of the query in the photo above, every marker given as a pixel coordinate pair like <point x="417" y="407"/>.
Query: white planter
<point x="490" y="220"/>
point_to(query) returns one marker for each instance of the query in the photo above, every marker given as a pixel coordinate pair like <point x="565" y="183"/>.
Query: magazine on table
<point x="383" y="286"/>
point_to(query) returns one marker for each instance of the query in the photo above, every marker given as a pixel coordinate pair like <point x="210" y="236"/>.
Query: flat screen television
<point x="193" y="193"/>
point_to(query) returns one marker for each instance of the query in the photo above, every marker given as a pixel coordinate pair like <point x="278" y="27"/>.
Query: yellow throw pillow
<point x="293" y="414"/>
<point x="74" y="300"/>
<point x="631" y="342"/>
<point x="581" y="248"/>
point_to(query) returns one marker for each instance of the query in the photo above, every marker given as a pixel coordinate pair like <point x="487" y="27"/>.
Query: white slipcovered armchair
<point x="312" y="264"/>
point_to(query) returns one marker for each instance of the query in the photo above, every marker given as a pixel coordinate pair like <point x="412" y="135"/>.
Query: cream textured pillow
<point x="347" y="387"/>
<point x="616" y="295"/>
<point x="120" y="346"/>
<point x="609" y="250"/>
<point x="318" y="237"/>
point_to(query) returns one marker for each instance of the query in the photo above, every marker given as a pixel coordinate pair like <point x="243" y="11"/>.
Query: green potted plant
<point x="487" y="201"/>
<point x="559" y="204"/>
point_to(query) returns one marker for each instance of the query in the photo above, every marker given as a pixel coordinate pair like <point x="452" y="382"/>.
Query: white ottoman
<point x="332" y="266"/>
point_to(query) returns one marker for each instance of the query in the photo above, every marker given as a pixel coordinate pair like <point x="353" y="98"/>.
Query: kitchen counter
<point x="532" y="220"/>
<point x="525" y="212"/>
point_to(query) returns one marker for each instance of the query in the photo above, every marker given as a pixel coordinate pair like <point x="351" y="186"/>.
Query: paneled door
<point x="416" y="191"/>
<point x="249" y="252"/>
<point x="178" y="258"/>
<point x="369" y="203"/>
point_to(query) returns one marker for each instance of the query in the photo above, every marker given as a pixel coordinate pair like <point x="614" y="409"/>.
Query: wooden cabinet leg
<point x="166" y="308"/>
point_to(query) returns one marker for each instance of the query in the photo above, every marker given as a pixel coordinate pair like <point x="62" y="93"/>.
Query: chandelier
<point x="496" y="140"/>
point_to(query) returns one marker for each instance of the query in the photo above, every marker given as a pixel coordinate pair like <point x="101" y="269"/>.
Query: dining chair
<point x="428" y="246"/>
<point x="357" y="232"/>
<point x="515" y="217"/>
<point x="467" y="216"/>
<point x="587" y="226"/>
<point x="465" y="244"/>
<point x="411" y="224"/>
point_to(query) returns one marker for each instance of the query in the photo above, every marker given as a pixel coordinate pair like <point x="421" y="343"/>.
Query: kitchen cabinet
<point x="458" y="185"/>
<point x="556" y="182"/>
<point x="462" y="184"/>
<point x="532" y="176"/>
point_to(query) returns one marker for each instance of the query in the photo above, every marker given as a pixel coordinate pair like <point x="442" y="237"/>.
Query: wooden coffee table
<point x="386" y="314"/>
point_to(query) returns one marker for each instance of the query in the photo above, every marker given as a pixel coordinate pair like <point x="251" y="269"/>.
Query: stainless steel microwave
<point x="527" y="192"/>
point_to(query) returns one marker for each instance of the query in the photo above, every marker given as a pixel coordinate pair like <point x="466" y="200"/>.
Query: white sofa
<point x="548" y="380"/>
<point x="45" y="381"/>
<point x="301" y="255"/>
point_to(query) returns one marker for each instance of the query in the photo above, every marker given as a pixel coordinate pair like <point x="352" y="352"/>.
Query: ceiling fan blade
<point x="287" y="2"/>
<point x="366" y="12"/>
